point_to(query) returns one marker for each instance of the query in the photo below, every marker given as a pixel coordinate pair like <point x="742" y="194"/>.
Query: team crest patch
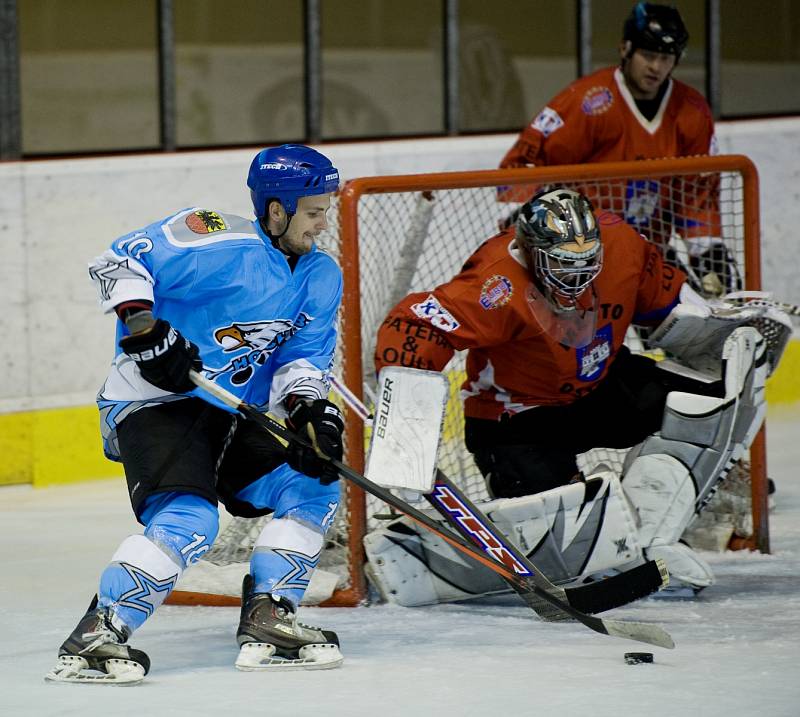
<point x="597" y="100"/>
<point x="496" y="292"/>
<point x="431" y="310"/>
<point x="593" y="357"/>
<point x="547" y="121"/>
<point x="205" y="222"/>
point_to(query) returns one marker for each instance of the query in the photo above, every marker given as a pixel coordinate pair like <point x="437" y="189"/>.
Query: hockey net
<point x="399" y="234"/>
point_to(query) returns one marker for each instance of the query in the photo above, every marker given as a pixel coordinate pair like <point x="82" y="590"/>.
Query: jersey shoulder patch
<point x="597" y="100"/>
<point x="197" y="226"/>
<point x="431" y="310"/>
<point x="547" y="121"/>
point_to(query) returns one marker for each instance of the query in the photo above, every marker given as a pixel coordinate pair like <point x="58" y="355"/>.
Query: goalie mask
<point x="559" y="233"/>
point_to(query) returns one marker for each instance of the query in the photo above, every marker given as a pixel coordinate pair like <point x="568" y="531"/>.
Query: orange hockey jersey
<point x="513" y="363"/>
<point x="595" y="119"/>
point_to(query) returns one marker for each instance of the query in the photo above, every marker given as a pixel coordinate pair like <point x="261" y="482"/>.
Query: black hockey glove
<point x="327" y="421"/>
<point x="163" y="356"/>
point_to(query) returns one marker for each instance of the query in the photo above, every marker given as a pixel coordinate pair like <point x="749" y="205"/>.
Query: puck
<point x="638" y="658"/>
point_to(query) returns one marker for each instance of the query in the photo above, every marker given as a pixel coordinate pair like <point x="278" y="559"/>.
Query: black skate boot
<point x="270" y="636"/>
<point x="97" y="645"/>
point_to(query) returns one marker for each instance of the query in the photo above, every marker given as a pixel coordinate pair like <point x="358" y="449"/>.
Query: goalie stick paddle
<point x="640" y="632"/>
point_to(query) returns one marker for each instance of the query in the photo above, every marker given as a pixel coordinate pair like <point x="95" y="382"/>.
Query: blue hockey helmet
<point x="658" y="28"/>
<point x="287" y="173"/>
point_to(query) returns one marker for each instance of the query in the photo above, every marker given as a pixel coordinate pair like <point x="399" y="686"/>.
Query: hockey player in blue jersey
<point x="251" y="304"/>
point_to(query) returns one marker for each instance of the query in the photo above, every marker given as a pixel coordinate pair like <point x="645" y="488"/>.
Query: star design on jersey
<point x="144" y="595"/>
<point x="622" y="545"/>
<point x="108" y="275"/>
<point x="302" y="566"/>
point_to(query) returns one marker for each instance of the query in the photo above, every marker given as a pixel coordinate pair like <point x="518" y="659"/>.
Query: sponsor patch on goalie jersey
<point x="593" y="357"/>
<point x="597" y="100"/>
<point x="204" y="221"/>
<point x="547" y="121"/>
<point x="431" y="310"/>
<point x="496" y="291"/>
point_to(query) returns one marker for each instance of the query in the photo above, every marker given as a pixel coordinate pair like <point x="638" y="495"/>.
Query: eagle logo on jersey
<point x="597" y="100"/>
<point x="496" y="291"/>
<point x="204" y="221"/>
<point x="259" y="339"/>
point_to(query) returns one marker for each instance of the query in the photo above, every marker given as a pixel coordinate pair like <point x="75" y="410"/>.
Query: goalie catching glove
<point x="327" y="424"/>
<point x="696" y="330"/>
<point x="164" y="356"/>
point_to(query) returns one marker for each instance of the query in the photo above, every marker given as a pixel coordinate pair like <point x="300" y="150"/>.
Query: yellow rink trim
<point x="783" y="387"/>
<point x="63" y="445"/>
<point x="53" y="446"/>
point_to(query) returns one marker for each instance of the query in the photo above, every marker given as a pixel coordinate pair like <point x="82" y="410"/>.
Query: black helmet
<point x="658" y="28"/>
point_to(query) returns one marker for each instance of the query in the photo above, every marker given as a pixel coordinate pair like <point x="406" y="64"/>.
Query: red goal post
<point x="376" y="215"/>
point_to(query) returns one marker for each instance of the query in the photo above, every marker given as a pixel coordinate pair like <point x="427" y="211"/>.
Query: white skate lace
<point x="101" y="637"/>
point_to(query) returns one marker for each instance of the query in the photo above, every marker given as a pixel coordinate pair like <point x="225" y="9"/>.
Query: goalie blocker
<point x="600" y="526"/>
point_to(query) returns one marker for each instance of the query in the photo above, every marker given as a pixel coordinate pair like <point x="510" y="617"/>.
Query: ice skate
<point x="95" y="653"/>
<point x="270" y="637"/>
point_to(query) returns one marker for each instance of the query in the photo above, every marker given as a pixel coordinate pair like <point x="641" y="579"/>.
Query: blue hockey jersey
<point x="263" y="330"/>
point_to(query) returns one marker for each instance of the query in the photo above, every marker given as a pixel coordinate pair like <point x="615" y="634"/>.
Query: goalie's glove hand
<point x="164" y="356"/>
<point x="327" y="423"/>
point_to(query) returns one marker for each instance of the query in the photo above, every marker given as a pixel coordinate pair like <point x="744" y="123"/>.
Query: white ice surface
<point x="737" y="654"/>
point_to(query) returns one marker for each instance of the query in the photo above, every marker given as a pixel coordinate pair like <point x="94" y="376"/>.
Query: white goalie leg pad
<point x="661" y="489"/>
<point x="568" y="532"/>
<point x="671" y="475"/>
<point x="663" y="493"/>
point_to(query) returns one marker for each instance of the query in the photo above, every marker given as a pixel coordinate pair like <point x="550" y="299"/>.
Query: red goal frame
<point x="351" y="343"/>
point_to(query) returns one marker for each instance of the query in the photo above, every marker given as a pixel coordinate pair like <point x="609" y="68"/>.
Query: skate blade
<point x="70" y="668"/>
<point x="260" y="656"/>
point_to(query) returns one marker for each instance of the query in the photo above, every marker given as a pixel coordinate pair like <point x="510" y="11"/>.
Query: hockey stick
<point x="598" y="596"/>
<point x="641" y="632"/>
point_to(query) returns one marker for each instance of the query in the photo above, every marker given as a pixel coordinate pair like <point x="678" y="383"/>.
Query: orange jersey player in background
<point x="542" y="310"/>
<point x="632" y="112"/>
